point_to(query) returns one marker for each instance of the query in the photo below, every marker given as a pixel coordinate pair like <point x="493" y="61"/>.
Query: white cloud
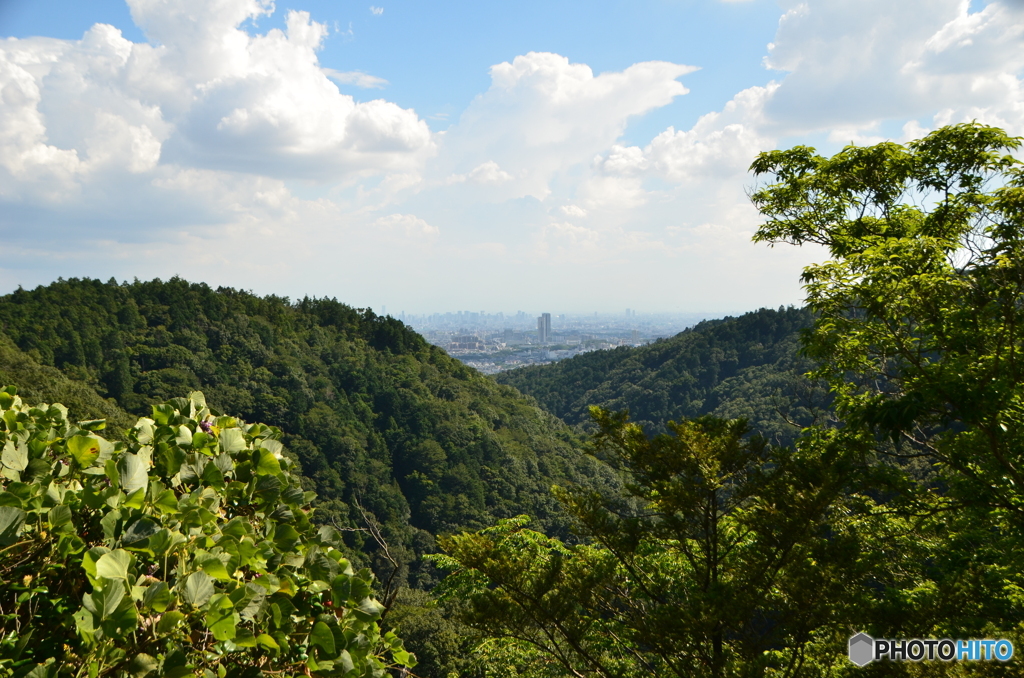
<point x="543" y="114"/>
<point x="408" y="224"/>
<point x="852" y="63"/>
<point x="376" y="11"/>
<point x="485" y="173"/>
<point x="574" y="211"/>
<point x="357" y="78"/>
<point x="203" y="93"/>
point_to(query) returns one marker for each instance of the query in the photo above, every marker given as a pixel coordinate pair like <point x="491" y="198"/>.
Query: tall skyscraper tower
<point x="544" y="328"/>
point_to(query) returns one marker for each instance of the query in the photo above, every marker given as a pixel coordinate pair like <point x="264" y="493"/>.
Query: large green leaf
<point x="59" y="516"/>
<point x="14" y="456"/>
<point x="133" y="473"/>
<point x="157" y="597"/>
<point x="168" y="620"/>
<point x="268" y="466"/>
<point x="214" y="567"/>
<point x="232" y="440"/>
<point x="141" y="529"/>
<point x="11" y="521"/>
<point x="142" y="665"/>
<point x="122" y="621"/>
<point x="85" y="449"/>
<point x="221" y="618"/>
<point x="368" y="610"/>
<point x="114" y="565"/>
<point x="198" y="589"/>
<point x="322" y="637"/>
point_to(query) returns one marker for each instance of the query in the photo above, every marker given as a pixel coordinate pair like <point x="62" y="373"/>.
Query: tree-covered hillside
<point x="746" y="367"/>
<point x="378" y="418"/>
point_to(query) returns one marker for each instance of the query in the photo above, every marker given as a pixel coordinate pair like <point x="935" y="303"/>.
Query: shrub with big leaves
<point x="186" y="550"/>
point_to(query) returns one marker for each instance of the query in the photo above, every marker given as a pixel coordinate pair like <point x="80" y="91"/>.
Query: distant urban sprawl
<point x="493" y="342"/>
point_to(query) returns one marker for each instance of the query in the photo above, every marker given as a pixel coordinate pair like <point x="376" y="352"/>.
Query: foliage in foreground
<point x="186" y="550"/>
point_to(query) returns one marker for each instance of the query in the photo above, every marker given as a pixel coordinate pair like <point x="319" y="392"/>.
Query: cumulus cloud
<point x="357" y="78"/>
<point x="852" y="64"/>
<point x="203" y="92"/>
<point x="376" y="11"/>
<point x="485" y="173"/>
<point x="543" y="114"/>
<point x="407" y="224"/>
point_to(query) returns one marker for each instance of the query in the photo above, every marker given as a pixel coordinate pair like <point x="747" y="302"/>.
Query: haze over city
<point x="569" y="157"/>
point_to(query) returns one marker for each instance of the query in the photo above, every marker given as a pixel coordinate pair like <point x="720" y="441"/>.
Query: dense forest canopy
<point x="380" y="420"/>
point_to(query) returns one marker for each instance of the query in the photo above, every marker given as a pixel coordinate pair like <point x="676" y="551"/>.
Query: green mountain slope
<point x="43" y="384"/>
<point x="746" y="366"/>
<point x="378" y="418"/>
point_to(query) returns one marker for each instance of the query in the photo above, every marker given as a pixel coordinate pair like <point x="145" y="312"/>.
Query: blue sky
<point x="568" y="156"/>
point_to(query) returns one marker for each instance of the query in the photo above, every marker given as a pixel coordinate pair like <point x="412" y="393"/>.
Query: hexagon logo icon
<point x="862" y="649"/>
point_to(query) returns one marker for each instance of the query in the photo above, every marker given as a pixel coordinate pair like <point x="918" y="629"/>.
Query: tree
<point x="919" y="332"/>
<point x="725" y="556"/>
<point x="187" y="550"/>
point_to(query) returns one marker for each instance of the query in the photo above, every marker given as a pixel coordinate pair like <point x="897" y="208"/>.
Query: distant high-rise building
<point x="627" y="313"/>
<point x="544" y="328"/>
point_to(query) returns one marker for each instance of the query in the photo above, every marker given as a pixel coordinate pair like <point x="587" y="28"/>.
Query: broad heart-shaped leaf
<point x="85" y="623"/>
<point x="368" y="610"/>
<point x="141" y="529"/>
<point x="213" y="476"/>
<point x="345" y="660"/>
<point x="198" y="589"/>
<point x="232" y="440"/>
<point x="47" y="670"/>
<point x="114" y="565"/>
<point x="321" y="636"/>
<point x="157" y="597"/>
<point x="14" y="456"/>
<point x="91" y="557"/>
<point x="267" y="641"/>
<point x="167" y="502"/>
<point x="268" y="466"/>
<point x="133" y="473"/>
<point x="244" y="638"/>
<point x="221" y="618"/>
<point x="168" y="620"/>
<point x="122" y="620"/>
<point x="11" y="520"/>
<point x="85" y="449"/>
<point x="162" y="414"/>
<point x="215" y="568"/>
<point x="104" y="601"/>
<point x="168" y="459"/>
<point x="59" y="516"/>
<point x="142" y="665"/>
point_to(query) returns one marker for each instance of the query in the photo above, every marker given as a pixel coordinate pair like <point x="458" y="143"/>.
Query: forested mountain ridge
<point x="377" y="417"/>
<point x="737" y="367"/>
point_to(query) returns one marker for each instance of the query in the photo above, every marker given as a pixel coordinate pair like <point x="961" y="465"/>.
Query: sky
<point x="565" y="156"/>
